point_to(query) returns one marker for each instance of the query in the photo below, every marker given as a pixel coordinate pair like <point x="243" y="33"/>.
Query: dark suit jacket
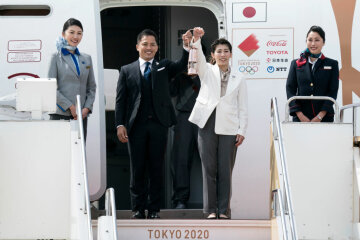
<point x="186" y="89"/>
<point x="324" y="81"/>
<point x="128" y="94"/>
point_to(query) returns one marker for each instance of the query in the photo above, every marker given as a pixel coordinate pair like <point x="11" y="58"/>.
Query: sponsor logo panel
<point x="263" y="52"/>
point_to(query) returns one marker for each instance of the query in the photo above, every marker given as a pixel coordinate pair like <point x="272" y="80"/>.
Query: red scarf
<point x="304" y="56"/>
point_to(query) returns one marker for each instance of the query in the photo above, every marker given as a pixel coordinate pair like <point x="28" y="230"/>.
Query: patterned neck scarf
<point x="62" y="43"/>
<point x="305" y="55"/>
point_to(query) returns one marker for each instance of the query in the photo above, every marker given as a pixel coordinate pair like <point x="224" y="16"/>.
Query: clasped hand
<point x="187" y="37"/>
<point x="84" y="112"/>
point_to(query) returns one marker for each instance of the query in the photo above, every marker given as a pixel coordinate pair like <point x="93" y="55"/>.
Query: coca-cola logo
<point x="280" y="43"/>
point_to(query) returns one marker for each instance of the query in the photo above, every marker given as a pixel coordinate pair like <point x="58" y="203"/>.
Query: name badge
<point x="327" y="67"/>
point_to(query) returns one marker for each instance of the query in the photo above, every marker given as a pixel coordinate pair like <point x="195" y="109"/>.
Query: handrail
<point x="278" y="135"/>
<point x="287" y="110"/>
<point x="83" y="160"/>
<point x="349" y="106"/>
<point x="110" y="209"/>
<point x="278" y="195"/>
<point x="354" y="105"/>
<point x="354" y="120"/>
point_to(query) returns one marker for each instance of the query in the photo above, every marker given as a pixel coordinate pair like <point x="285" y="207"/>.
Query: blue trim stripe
<point x="66" y="52"/>
<point x="61" y="108"/>
<point x="76" y="63"/>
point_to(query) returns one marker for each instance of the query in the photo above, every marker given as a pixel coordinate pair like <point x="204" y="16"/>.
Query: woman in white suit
<point x="221" y="113"/>
<point x="74" y="74"/>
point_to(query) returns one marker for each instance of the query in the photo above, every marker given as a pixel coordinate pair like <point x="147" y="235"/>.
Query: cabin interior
<point x="120" y="27"/>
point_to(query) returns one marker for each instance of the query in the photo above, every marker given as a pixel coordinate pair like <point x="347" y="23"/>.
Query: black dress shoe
<point x="180" y="205"/>
<point x="138" y="215"/>
<point x="153" y="215"/>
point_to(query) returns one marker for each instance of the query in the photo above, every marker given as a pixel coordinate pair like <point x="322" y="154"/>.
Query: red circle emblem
<point x="249" y="12"/>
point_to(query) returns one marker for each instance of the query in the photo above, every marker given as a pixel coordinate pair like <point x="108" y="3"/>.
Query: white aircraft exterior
<point x="266" y="36"/>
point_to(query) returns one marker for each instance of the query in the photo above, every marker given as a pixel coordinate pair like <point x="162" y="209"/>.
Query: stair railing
<point x="110" y="209"/>
<point x="287" y="109"/>
<point x="354" y="107"/>
<point x="278" y="135"/>
<point x="86" y="209"/>
<point x="277" y="196"/>
<point x="356" y="142"/>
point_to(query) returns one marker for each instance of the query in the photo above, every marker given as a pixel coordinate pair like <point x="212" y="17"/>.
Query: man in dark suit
<point x="144" y="113"/>
<point x="186" y="89"/>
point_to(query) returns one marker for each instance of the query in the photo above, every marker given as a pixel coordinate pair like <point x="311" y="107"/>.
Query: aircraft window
<point x="24" y="10"/>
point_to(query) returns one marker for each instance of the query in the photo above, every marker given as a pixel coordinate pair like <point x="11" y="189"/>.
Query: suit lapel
<point x="136" y="68"/>
<point x="82" y="64"/>
<point x="233" y="82"/>
<point x="70" y="62"/>
<point x="154" y="67"/>
<point x="216" y="71"/>
<point x="318" y="63"/>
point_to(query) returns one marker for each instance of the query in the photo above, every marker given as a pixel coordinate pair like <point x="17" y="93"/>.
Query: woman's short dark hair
<point x="318" y="30"/>
<point x="72" y="22"/>
<point x="220" y="41"/>
<point x="147" y="32"/>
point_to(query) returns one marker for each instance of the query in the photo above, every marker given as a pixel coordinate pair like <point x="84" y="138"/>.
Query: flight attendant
<point x="221" y="113"/>
<point x="74" y="73"/>
<point x="313" y="74"/>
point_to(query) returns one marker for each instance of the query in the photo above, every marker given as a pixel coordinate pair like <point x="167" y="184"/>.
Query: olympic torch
<point x="192" y="63"/>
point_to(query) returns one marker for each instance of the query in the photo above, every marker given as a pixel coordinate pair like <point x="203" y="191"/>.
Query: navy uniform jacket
<point x="324" y="81"/>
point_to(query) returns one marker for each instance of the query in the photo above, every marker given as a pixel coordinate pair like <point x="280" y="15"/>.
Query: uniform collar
<point x="66" y="52"/>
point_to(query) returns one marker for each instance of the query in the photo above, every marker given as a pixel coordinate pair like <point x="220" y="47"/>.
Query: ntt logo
<point x="270" y="69"/>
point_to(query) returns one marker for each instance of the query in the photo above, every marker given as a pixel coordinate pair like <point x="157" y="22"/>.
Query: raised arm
<point x="201" y="65"/>
<point x="180" y="65"/>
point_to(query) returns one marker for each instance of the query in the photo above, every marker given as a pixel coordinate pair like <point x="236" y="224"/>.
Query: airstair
<point x="314" y="187"/>
<point x="314" y="176"/>
<point x="43" y="183"/>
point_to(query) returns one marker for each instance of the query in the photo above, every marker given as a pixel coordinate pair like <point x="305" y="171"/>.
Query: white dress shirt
<point x="142" y="64"/>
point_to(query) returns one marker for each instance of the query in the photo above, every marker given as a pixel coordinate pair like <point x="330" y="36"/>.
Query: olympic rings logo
<point x="249" y="69"/>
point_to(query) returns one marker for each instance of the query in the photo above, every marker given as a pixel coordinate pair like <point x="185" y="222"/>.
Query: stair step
<point x="176" y="229"/>
<point x="164" y="214"/>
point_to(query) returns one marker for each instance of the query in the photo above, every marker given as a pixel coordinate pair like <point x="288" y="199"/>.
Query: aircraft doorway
<point x="120" y="27"/>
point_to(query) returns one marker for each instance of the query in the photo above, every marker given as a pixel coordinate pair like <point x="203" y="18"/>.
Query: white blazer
<point x="231" y="109"/>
